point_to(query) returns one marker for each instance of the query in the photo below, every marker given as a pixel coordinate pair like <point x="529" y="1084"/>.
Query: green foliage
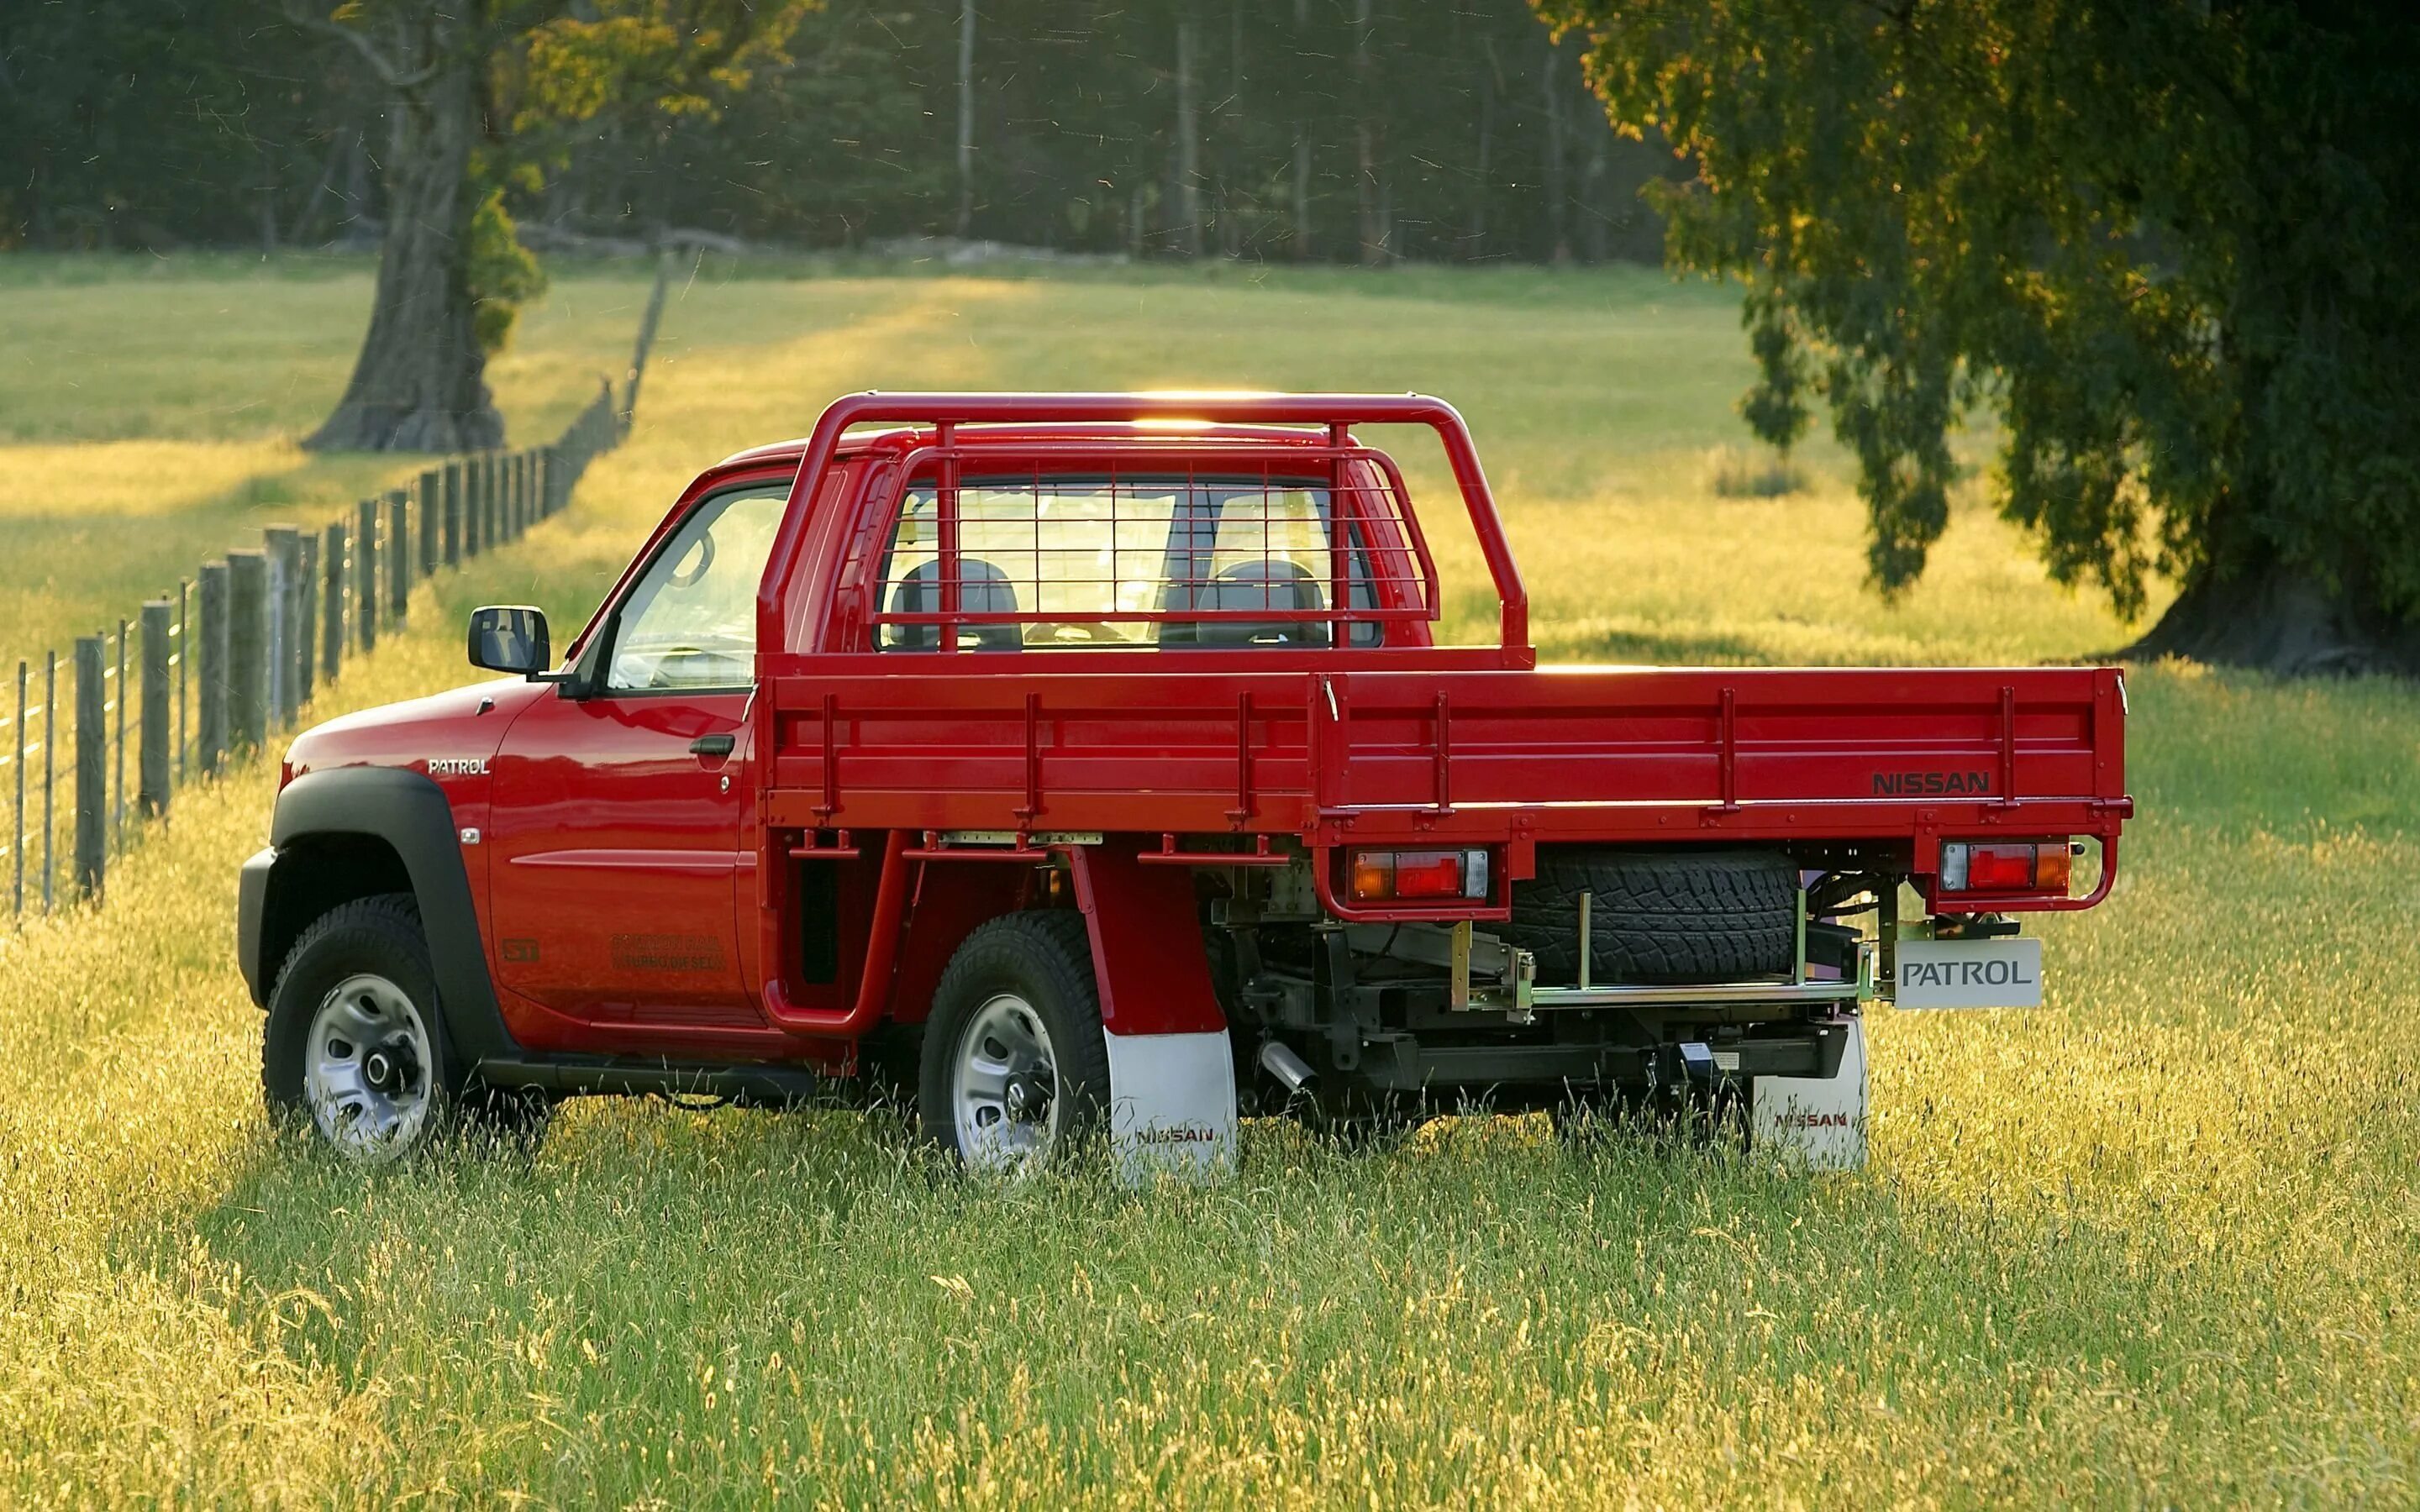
<point x="159" y="123"/>
<point x="665" y="56"/>
<point x="503" y="275"/>
<point x="2168" y="244"/>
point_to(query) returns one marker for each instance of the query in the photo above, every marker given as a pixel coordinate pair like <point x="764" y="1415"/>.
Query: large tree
<point x="2169" y="242"/>
<point x="464" y="81"/>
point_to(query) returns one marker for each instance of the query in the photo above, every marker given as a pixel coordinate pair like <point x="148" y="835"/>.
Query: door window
<point x="691" y="621"/>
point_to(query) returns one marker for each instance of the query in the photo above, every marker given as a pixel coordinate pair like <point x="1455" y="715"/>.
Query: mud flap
<point x="1171" y="1106"/>
<point x="1819" y="1122"/>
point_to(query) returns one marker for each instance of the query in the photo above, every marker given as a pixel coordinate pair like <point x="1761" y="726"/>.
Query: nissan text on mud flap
<point x="1084" y="765"/>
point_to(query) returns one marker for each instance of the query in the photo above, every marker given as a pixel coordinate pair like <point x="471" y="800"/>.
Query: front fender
<point x="251" y="905"/>
<point x="409" y="813"/>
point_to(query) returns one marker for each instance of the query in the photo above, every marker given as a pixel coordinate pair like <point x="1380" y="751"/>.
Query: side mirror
<point x="510" y="638"/>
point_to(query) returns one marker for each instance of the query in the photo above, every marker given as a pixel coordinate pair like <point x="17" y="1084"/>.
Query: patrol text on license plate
<point x="1999" y="973"/>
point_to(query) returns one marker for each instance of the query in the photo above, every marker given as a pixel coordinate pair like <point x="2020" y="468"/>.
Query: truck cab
<point x="1084" y="768"/>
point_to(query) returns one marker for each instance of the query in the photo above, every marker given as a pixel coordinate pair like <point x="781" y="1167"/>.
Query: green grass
<point x="150" y="410"/>
<point x="2153" y="1243"/>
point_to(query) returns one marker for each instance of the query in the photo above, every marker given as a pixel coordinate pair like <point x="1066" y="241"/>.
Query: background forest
<point x="1338" y="130"/>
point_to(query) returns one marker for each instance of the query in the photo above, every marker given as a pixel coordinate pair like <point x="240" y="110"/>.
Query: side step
<point x="759" y="1085"/>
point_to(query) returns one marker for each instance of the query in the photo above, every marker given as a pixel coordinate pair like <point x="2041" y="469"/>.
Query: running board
<point x="572" y="1075"/>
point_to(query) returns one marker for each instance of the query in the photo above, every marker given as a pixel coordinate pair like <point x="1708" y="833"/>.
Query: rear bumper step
<point x="1405" y="1065"/>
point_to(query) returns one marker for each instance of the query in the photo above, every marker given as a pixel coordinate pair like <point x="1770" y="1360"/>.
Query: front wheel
<point x="354" y="1043"/>
<point x="1016" y="1069"/>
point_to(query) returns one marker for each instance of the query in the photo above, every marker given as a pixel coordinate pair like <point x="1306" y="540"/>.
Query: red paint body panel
<point x="602" y="827"/>
<point x="612" y="851"/>
<point x="1146" y="939"/>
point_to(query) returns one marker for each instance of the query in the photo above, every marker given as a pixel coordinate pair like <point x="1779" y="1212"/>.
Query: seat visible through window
<point x="982" y="589"/>
<point x="1275" y="586"/>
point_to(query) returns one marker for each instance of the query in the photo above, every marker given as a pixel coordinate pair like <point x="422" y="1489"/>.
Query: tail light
<point x="1394" y="877"/>
<point x="2005" y="866"/>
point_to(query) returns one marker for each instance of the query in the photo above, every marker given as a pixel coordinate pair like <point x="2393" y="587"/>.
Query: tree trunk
<point x="1365" y="142"/>
<point x="419" y="384"/>
<point x="1231" y="133"/>
<point x="1301" y="198"/>
<point x="1475" y="246"/>
<point x="1559" y="241"/>
<point x="966" y="118"/>
<point x="1188" y="147"/>
<point x="2277" y="620"/>
<point x="1301" y="144"/>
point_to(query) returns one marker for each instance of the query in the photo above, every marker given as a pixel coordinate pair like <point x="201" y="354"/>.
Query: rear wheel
<point x="1016" y="1069"/>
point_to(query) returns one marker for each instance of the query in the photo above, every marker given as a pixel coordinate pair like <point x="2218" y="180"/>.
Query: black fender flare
<point x="410" y="812"/>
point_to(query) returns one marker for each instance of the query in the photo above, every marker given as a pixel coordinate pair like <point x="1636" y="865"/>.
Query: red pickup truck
<point x="1083" y="764"/>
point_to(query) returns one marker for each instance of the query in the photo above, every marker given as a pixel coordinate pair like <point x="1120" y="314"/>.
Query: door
<point x="615" y="828"/>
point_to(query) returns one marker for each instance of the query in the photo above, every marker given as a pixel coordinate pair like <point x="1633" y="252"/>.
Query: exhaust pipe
<point x="1283" y="1063"/>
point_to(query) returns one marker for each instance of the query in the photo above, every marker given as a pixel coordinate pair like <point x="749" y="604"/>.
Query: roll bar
<point x="1335" y="411"/>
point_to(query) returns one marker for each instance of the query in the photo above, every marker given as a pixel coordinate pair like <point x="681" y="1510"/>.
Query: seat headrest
<point x="1275" y="584"/>
<point x="982" y="589"/>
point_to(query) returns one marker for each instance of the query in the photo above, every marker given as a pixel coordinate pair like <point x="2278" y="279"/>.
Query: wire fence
<point x="232" y="659"/>
<point x="209" y="672"/>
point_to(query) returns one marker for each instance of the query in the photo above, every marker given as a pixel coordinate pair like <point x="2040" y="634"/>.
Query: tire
<point x="358" y="985"/>
<point x="1024" y="984"/>
<point x="1659" y="916"/>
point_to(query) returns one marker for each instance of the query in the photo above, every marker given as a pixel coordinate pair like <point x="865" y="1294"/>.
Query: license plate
<point x="1998" y="973"/>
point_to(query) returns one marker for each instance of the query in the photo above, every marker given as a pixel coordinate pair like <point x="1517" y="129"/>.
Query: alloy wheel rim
<point x="368" y="1068"/>
<point x="1004" y="1086"/>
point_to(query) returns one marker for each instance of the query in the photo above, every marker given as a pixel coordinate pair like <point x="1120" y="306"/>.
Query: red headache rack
<point x="1023" y="522"/>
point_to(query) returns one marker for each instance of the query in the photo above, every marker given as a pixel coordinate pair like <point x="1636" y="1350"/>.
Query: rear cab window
<point x="1129" y="562"/>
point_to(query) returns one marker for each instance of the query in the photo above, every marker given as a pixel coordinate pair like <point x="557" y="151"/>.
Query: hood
<point x="461" y="723"/>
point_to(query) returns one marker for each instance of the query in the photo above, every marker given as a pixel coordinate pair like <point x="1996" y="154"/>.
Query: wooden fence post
<point x="49" y="769"/>
<point x="183" y="657"/>
<point x="398" y="554"/>
<point x="453" y="495"/>
<point x="306" y="633"/>
<point x="475" y="503"/>
<point x="152" y="792"/>
<point x="331" y="607"/>
<point x="17" y="850"/>
<point x="248" y="649"/>
<point x="365" y="583"/>
<point x="209" y="651"/>
<point x="430" y="505"/>
<point x="91" y="776"/>
<point x="117" y="744"/>
<point x="284" y="544"/>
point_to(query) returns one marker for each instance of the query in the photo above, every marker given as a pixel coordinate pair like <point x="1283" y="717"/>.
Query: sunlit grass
<point x="150" y="410"/>
<point x="2154" y="1242"/>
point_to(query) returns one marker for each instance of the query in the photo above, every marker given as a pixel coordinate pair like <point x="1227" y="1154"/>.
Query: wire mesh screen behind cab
<point x="1116" y="562"/>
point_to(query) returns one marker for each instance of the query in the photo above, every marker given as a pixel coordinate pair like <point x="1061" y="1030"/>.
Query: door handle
<point x="712" y="745"/>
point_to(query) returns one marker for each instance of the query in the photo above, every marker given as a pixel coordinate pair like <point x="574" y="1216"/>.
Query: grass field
<point x="2154" y="1244"/>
